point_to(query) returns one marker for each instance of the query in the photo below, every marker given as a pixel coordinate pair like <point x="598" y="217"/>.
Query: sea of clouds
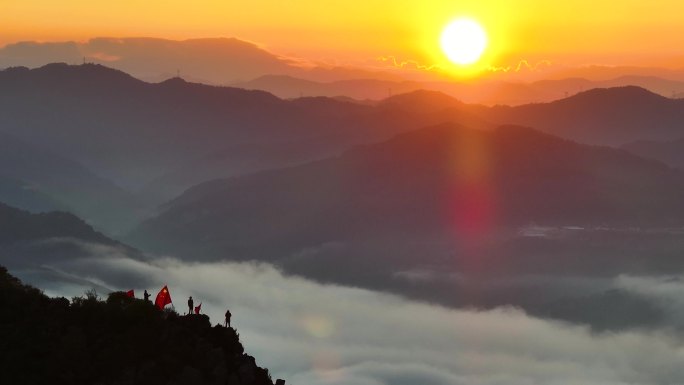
<point x="310" y="333"/>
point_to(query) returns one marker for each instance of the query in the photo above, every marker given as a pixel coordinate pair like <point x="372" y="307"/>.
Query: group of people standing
<point x="191" y="307"/>
<point x="197" y="309"/>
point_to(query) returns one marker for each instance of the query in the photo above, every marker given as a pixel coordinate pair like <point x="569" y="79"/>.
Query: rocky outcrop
<point x="120" y="340"/>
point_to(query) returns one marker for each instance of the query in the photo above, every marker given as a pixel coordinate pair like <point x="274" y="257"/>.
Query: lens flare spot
<point x="318" y="326"/>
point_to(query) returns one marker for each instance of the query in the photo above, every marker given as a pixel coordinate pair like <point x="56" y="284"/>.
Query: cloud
<point x="33" y="54"/>
<point x="666" y="292"/>
<point x="523" y="65"/>
<point x="393" y="62"/>
<point x="313" y="334"/>
<point x="218" y="61"/>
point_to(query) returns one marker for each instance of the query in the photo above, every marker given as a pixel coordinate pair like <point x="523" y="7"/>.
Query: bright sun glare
<point x="464" y="41"/>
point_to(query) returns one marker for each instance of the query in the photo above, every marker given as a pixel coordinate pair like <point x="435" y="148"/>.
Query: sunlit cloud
<point x="523" y="65"/>
<point x="394" y="62"/>
<point x="103" y="56"/>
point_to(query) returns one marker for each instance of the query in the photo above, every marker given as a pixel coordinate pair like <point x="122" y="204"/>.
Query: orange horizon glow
<point x="344" y="32"/>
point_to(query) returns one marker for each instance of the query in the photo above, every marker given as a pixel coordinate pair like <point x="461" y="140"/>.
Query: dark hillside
<point x="118" y="341"/>
<point x="19" y="225"/>
<point x="668" y="152"/>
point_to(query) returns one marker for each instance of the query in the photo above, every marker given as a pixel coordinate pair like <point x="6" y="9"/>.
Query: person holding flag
<point x="163" y="298"/>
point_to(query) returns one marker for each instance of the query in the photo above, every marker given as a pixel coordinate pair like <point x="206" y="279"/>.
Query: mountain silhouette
<point x="441" y="182"/>
<point x="603" y="116"/>
<point x="612" y="116"/>
<point x="469" y="198"/>
<point x="488" y="92"/>
<point x="215" y="61"/>
<point x="19" y="225"/>
<point x="26" y="196"/>
<point x="668" y="152"/>
<point x="164" y="137"/>
<point x="91" y="128"/>
<point x="230" y="61"/>
<point x="448" y="214"/>
<point x="57" y="183"/>
<point x="291" y="87"/>
<point x="607" y="72"/>
<point x="153" y="59"/>
<point x="36" y="242"/>
<point x="424" y="100"/>
<point x="118" y="341"/>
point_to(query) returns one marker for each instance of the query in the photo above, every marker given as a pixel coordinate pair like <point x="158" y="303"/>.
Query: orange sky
<point x="575" y="32"/>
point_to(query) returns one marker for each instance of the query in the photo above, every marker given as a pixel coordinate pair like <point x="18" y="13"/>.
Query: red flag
<point x="130" y="293"/>
<point x="198" y="308"/>
<point x="163" y="298"/>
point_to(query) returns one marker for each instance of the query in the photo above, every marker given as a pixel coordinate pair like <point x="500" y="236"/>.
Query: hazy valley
<point x="564" y="217"/>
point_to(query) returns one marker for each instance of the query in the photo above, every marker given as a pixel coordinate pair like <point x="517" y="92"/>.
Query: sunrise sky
<point x="581" y="32"/>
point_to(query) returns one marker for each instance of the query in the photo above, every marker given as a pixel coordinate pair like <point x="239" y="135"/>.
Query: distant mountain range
<point x="162" y="138"/>
<point x="21" y="226"/>
<point x="613" y="116"/>
<point x="34" y="178"/>
<point x="231" y="61"/>
<point x="443" y="182"/>
<point x="217" y="61"/>
<point x="448" y="214"/>
<point x="344" y="191"/>
<point x="153" y="59"/>
<point x="110" y="147"/>
<point x="603" y="116"/>
<point x="607" y="72"/>
<point x="24" y="195"/>
<point x="484" y="92"/>
<point x="35" y="242"/>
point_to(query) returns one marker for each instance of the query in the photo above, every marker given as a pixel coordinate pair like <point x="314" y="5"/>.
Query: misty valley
<point x="413" y="238"/>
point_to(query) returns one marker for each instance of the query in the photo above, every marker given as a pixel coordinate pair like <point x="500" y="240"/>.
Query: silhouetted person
<point x="190" y="303"/>
<point x="147" y="296"/>
<point x="227" y="323"/>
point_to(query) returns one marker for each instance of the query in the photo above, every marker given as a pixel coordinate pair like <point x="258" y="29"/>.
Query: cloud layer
<point x="313" y="334"/>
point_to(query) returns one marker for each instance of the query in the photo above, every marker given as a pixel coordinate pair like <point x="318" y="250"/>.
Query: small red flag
<point x="130" y="293"/>
<point x="163" y="298"/>
<point x="198" y="308"/>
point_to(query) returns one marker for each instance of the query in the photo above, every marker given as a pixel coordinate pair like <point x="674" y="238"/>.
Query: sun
<point x="464" y="41"/>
